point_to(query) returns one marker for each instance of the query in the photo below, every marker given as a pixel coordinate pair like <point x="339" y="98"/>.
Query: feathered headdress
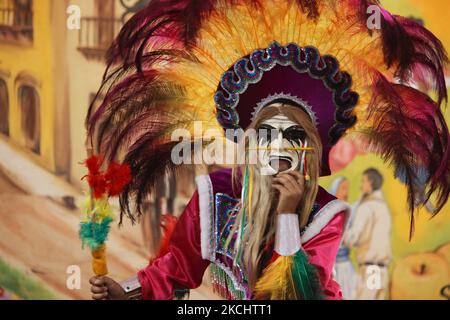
<point x="176" y="62"/>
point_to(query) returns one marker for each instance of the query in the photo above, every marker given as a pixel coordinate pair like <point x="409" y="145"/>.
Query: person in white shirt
<point x="370" y="235"/>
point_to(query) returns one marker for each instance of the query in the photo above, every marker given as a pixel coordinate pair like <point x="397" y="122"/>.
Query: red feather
<point x="168" y="224"/>
<point x="97" y="183"/>
<point x="408" y="47"/>
<point x="95" y="178"/>
<point x="410" y="132"/>
<point x="311" y="7"/>
<point x="117" y="177"/>
<point x="112" y="181"/>
<point x="93" y="164"/>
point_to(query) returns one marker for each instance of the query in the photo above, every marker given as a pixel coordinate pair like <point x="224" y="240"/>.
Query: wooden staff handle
<point x="99" y="264"/>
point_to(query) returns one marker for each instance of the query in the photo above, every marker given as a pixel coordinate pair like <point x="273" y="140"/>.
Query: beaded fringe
<point x="223" y="285"/>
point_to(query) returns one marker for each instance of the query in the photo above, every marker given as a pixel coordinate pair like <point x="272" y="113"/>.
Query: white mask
<point x="276" y="142"/>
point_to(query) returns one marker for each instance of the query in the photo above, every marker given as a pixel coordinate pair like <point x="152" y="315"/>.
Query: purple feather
<point x="410" y="132"/>
<point x="409" y="47"/>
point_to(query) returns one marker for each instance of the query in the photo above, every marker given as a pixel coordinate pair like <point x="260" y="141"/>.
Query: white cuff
<point x="287" y="237"/>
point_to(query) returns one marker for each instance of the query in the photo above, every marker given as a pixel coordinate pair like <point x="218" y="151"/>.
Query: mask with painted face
<point x="280" y="144"/>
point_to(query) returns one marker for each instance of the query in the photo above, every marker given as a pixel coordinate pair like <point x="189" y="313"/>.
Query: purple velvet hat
<point x="298" y="74"/>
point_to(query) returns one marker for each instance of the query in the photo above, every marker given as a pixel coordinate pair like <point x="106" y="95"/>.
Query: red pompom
<point x="93" y="164"/>
<point x="112" y="182"/>
<point x="97" y="183"/>
<point x="117" y="177"/>
<point x="95" y="178"/>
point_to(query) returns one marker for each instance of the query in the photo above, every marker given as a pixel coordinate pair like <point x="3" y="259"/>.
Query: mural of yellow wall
<point x="32" y="74"/>
<point x="27" y="69"/>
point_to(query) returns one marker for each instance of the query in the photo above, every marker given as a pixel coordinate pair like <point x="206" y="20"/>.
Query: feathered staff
<point x="94" y="228"/>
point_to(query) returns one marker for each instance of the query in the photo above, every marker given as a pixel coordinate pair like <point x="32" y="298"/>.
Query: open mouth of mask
<point x="281" y="163"/>
<point x="278" y="138"/>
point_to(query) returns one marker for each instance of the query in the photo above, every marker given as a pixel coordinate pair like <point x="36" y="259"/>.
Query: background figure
<point x="345" y="273"/>
<point x="370" y="234"/>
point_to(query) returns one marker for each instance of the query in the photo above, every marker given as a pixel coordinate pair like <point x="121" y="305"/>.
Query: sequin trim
<point x="227" y="284"/>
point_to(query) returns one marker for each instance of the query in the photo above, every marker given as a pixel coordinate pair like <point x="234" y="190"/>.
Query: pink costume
<point x="184" y="265"/>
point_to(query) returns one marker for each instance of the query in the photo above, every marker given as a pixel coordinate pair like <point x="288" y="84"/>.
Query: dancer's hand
<point x="290" y="186"/>
<point x="105" y="288"/>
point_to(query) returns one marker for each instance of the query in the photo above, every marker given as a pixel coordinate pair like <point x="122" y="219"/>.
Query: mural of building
<point x="49" y="74"/>
<point x="85" y="51"/>
<point x="33" y="105"/>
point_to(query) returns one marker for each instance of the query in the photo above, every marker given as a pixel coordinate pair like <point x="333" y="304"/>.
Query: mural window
<point x="98" y="31"/>
<point x="4" y="108"/>
<point x="16" y="20"/>
<point x="30" y="115"/>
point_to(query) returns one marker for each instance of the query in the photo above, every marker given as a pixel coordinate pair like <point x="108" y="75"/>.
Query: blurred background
<point x="51" y="65"/>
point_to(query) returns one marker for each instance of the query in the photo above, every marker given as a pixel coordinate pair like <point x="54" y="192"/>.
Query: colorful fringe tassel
<point x="223" y="285"/>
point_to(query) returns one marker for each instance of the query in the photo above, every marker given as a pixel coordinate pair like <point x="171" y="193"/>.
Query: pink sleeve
<point x="183" y="266"/>
<point x="322" y="250"/>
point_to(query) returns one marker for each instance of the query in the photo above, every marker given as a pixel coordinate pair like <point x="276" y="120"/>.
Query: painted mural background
<point x="49" y="72"/>
<point x="420" y="268"/>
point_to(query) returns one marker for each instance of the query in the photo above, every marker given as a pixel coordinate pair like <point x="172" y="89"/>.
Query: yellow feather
<point x="276" y="282"/>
